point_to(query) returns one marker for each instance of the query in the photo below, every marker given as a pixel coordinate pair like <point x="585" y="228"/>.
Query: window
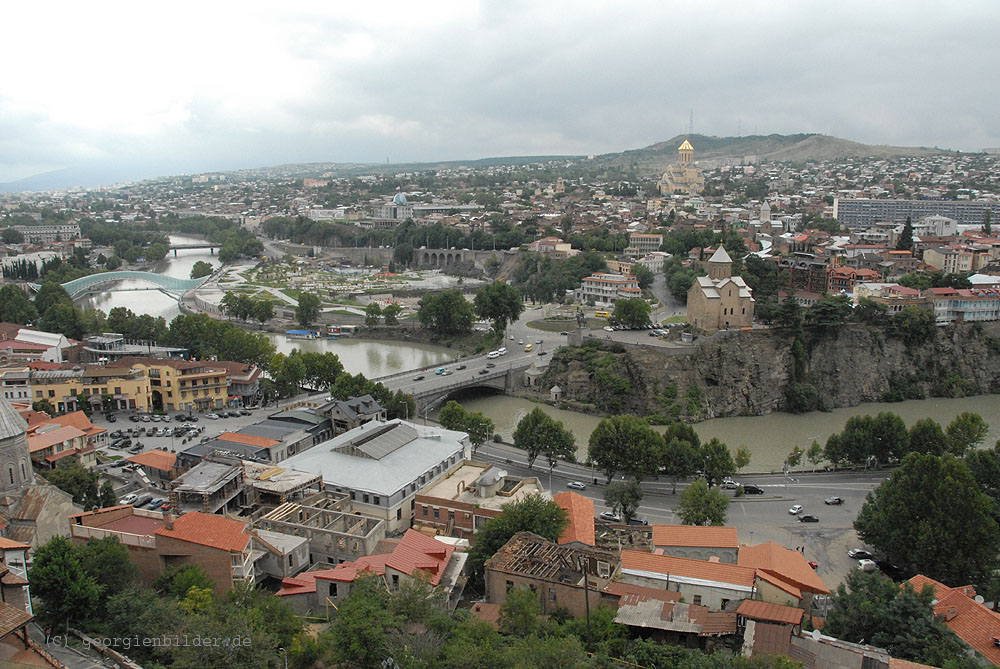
<point x="510" y="585"/>
<point x="377" y="500"/>
<point x="118" y="390"/>
<point x="290" y="560"/>
<point x="437" y="514"/>
<point x="395" y="581"/>
<point x="10" y="470"/>
<point x="723" y="604"/>
<point x="424" y="511"/>
<point x="451" y="515"/>
<point x="38" y="393"/>
<point x="366" y="498"/>
<point x="399" y="514"/>
<point x="697" y="600"/>
<point x="552" y="595"/>
<point x="24" y="477"/>
<point x="52" y="393"/>
<point x="353" y="496"/>
<point x="333" y="589"/>
<point x="72" y="391"/>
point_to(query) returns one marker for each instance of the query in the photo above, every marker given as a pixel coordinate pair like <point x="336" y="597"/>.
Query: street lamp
<point x="285" y="653"/>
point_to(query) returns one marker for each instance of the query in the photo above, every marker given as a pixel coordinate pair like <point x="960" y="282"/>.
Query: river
<point x="133" y="294"/>
<point x="770" y="438"/>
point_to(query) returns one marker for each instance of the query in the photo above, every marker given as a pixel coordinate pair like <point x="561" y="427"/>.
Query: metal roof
<point x="11" y="423"/>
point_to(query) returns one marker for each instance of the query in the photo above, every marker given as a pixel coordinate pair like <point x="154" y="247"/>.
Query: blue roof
<point x="298" y="331"/>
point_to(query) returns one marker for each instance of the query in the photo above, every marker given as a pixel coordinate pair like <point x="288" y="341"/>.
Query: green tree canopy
<point x="15" y="307"/>
<point x="454" y="416"/>
<point x="538" y="433"/>
<point x="871" y="608"/>
<point x="631" y="312"/>
<point x="373" y="312"/>
<point x="446" y="313"/>
<point x="931" y="516"/>
<point x="500" y="303"/>
<point x="531" y="513"/>
<point x="701" y="505"/>
<point x="200" y="269"/>
<point x="308" y="310"/>
<point x="680" y="460"/>
<point x="623" y="497"/>
<point x="391" y="313"/>
<point x="966" y="432"/>
<point x="626" y="444"/>
<point x="926" y="436"/>
<point x="68" y="594"/>
<point x="716" y="461"/>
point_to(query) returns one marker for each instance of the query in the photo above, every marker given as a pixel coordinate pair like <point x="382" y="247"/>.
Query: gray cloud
<point x="430" y="83"/>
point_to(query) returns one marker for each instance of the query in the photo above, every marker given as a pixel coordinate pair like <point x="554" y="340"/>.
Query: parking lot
<point x="164" y="434"/>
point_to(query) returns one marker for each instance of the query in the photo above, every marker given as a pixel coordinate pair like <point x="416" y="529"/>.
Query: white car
<point x="129" y="498"/>
<point x="608" y="328"/>
<point x="212" y="416"/>
<point x="502" y="351"/>
<point x="795" y="510"/>
<point x="611" y="516"/>
<point x="576" y="485"/>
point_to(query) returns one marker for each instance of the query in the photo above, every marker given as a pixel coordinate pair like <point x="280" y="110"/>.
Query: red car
<point x="814" y="564"/>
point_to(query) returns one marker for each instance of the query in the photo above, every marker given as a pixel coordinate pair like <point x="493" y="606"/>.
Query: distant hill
<point x="711" y="150"/>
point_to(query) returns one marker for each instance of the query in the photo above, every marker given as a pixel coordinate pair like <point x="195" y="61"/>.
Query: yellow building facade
<point x="180" y="385"/>
<point x="68" y="389"/>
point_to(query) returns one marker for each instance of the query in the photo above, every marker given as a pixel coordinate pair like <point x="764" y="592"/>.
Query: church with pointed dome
<point x="683" y="176"/>
<point x="720" y="300"/>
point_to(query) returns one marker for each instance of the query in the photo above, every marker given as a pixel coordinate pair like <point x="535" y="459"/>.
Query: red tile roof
<point x="155" y="459"/>
<point x="974" y="623"/>
<point x="580" y="510"/>
<point x="758" y="610"/>
<point x="685" y="567"/>
<point x="628" y="593"/>
<point x="209" y="530"/>
<point x="695" y="536"/>
<point x="10" y="544"/>
<point x="248" y="439"/>
<point x="783" y="563"/>
<point x="39" y="442"/>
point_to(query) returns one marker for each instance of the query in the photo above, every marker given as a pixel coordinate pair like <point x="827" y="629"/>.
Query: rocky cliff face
<point x="746" y="374"/>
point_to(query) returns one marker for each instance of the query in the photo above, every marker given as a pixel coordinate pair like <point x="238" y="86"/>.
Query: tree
<point x="499" y="302"/>
<point x="869" y="311"/>
<point x="966" y="432"/>
<point x="49" y="295"/>
<point x="632" y="312"/>
<point x="15" y="307"/>
<point x="531" y="513"/>
<point x="794" y="458"/>
<point x="987" y="227"/>
<point x="789" y="316"/>
<point x="11" y="236"/>
<point x="107" y="561"/>
<point x="78" y="481"/>
<point x="263" y="310"/>
<point x="829" y="312"/>
<point x="63" y="317"/>
<point x="931" y="516"/>
<point x="905" y="241"/>
<point x="177" y="580"/>
<point x="985" y="468"/>
<point x="538" y="433"/>
<point x="716" y="461"/>
<point x="391" y="313"/>
<point x="114" y="262"/>
<point x="623" y="497"/>
<point x="372" y="313"/>
<point x="454" y="416"/>
<point x="742" y="458"/>
<point x="68" y="595"/>
<point x="815" y="453"/>
<point x="701" y="505"/>
<point x="680" y="460"/>
<point x="871" y="608"/>
<point x="626" y="444"/>
<point x="519" y="615"/>
<point x="308" y="310"/>
<point x="43" y="405"/>
<point x="926" y="436"/>
<point x="200" y="269"/>
<point x="446" y="313"/>
<point x="643" y="276"/>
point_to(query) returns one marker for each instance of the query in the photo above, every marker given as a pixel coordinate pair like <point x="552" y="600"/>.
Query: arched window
<point x="10" y="471"/>
<point x="24" y="477"/>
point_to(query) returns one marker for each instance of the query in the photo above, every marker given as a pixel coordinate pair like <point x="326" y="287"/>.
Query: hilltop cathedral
<point x="683" y="176"/>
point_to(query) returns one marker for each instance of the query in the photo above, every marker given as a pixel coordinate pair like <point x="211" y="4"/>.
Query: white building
<point x="381" y="465"/>
<point x="605" y="289"/>
<point x="37" y="234"/>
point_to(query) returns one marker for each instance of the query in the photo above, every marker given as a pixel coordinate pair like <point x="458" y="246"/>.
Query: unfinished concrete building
<point x="210" y="486"/>
<point x="335" y="534"/>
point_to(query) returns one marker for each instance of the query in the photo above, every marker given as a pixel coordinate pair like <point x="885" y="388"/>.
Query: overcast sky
<point x="179" y="87"/>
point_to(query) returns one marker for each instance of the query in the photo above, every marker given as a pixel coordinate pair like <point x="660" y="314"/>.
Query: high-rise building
<point x="860" y="213"/>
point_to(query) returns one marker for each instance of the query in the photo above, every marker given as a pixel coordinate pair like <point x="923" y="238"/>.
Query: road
<point x="758" y="518"/>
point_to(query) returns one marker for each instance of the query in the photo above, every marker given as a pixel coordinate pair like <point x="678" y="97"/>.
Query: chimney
<point x="168" y="520"/>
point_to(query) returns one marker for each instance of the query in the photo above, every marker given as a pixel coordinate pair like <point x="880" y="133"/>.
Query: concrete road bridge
<point x="181" y="247"/>
<point x="167" y="284"/>
<point x="433" y="389"/>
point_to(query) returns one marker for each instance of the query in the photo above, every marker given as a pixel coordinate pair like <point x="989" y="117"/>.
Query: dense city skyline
<point x="147" y="92"/>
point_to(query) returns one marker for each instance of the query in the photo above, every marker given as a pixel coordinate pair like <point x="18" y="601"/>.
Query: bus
<point x="602" y="314"/>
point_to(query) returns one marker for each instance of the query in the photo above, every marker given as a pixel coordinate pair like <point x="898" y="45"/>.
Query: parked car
<point x="813" y="564"/>
<point x="638" y="522"/>
<point x="129" y="498"/>
<point x="576" y="485"/>
<point x="729" y="484"/>
<point x="145" y="418"/>
<point x="750" y="489"/>
<point x="244" y="412"/>
<point x="134" y="418"/>
<point x="502" y="351"/>
<point x="135" y="449"/>
<point x="155" y="504"/>
<point x="833" y="500"/>
<point x="143" y="500"/>
<point x="165" y="507"/>
<point x="611" y="516"/>
<point x="860" y="554"/>
<point x="212" y="416"/>
<point x="806" y="518"/>
<point x="180" y="418"/>
<point x="111" y="419"/>
<point x="797" y="509"/>
<point x="608" y="328"/>
<point x="867" y="566"/>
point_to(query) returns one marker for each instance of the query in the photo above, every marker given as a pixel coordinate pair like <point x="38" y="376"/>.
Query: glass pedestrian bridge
<point x="169" y="284"/>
